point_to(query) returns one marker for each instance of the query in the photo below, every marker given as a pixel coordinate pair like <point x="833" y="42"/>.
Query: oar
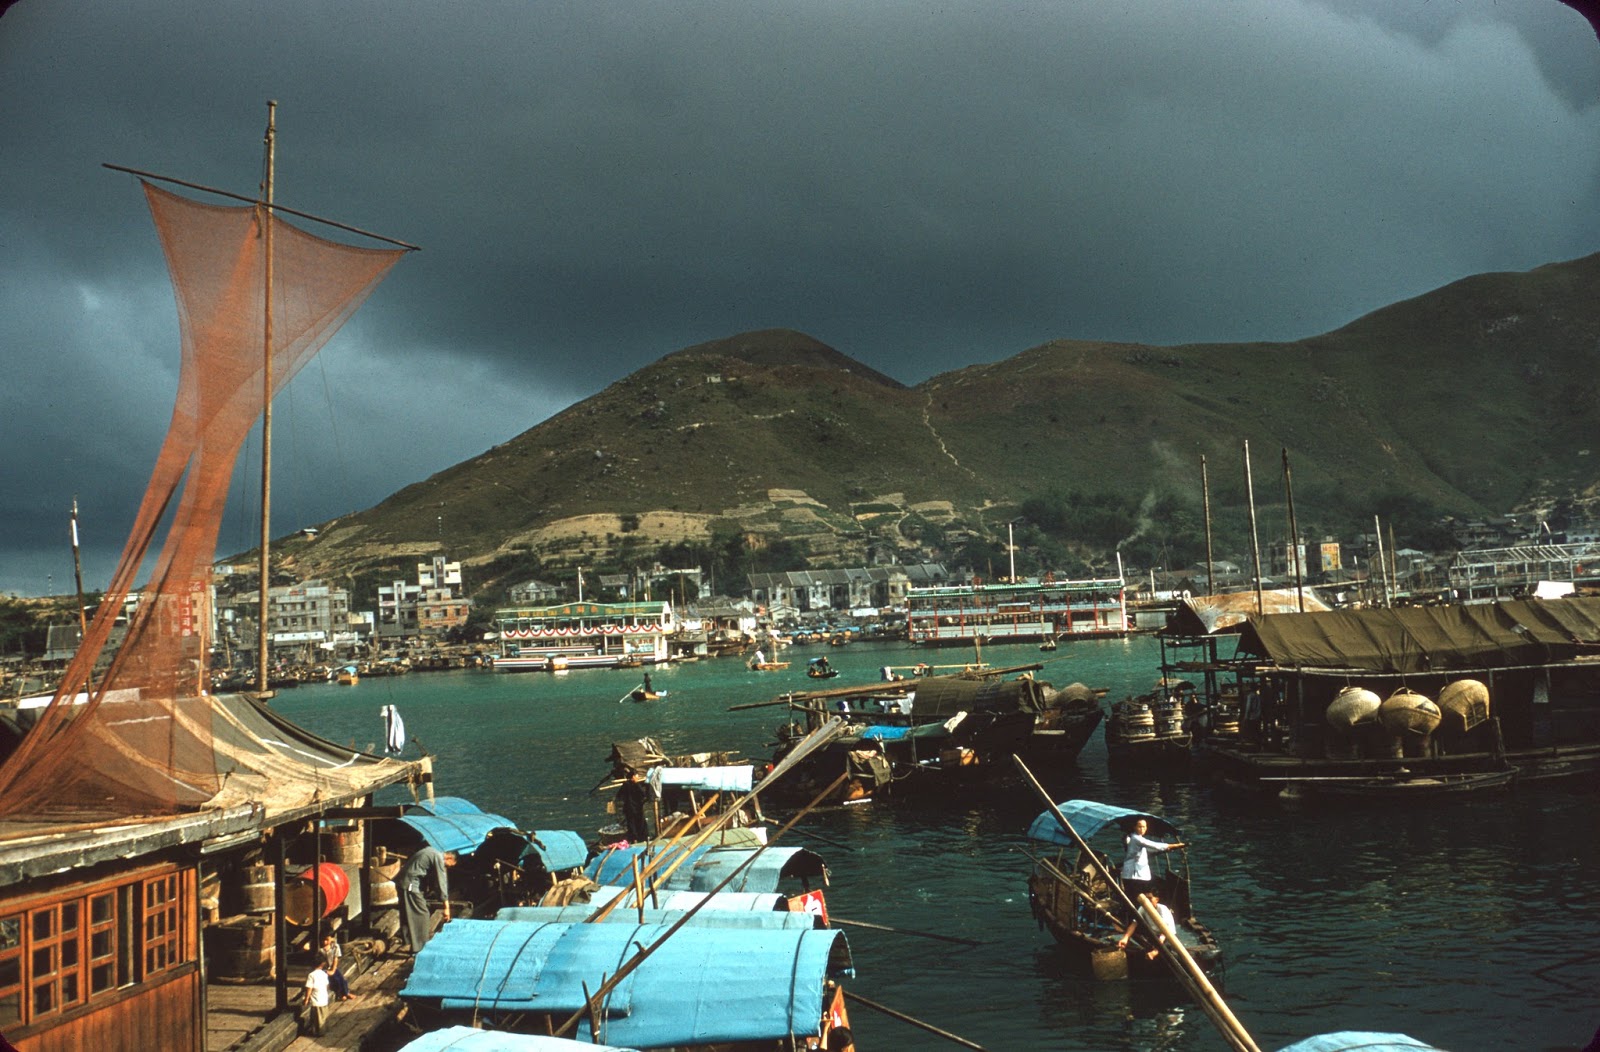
<point x="902" y="931"/>
<point x="628" y="695"/>
<point x="929" y="1027"/>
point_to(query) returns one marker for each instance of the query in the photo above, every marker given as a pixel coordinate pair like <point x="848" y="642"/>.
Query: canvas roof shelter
<point x="701" y="986"/>
<point x="558" y="849"/>
<point x="270" y="772"/>
<point x="1510" y="634"/>
<point x="1359" y="1041"/>
<point x="770" y="920"/>
<point x="746" y="901"/>
<point x="705" y="867"/>
<point x="1204" y="615"/>
<point x="470" y="1039"/>
<point x="1088" y="818"/>
<point x="451" y="823"/>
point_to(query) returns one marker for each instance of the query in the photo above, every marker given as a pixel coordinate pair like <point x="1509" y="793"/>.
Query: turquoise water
<point x="1470" y="926"/>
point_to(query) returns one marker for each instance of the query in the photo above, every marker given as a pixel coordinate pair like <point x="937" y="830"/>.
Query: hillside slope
<point x="1475" y="397"/>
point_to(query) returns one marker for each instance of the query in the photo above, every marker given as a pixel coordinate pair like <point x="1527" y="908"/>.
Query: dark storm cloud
<point x="596" y="184"/>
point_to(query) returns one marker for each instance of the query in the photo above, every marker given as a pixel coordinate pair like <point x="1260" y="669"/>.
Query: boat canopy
<point x="746" y="901"/>
<point x="451" y="823"/>
<point x="1088" y="818"/>
<point x="1418" y="639"/>
<point x="705" y="867"/>
<point x="470" y="1039"/>
<point x="708" y="779"/>
<point x="770" y="920"/>
<point x="1204" y="615"/>
<point x="701" y="986"/>
<point x="558" y="849"/>
<point x="1352" y="1040"/>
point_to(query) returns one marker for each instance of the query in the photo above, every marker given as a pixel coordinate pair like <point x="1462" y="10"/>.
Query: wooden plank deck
<point x="241" y="1016"/>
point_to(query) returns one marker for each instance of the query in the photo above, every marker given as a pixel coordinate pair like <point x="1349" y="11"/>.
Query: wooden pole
<point x="1294" y="531"/>
<point x="913" y="1020"/>
<point x="633" y="963"/>
<point x="1215" y="1006"/>
<point x="77" y="574"/>
<point x="832" y="920"/>
<point x="1255" y="544"/>
<point x="1205" y="503"/>
<point x="263" y="656"/>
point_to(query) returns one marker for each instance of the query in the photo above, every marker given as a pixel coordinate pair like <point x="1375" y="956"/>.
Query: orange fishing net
<point x="138" y="739"/>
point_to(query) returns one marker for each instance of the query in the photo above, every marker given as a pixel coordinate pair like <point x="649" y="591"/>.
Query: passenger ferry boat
<point x="1026" y="611"/>
<point x="583" y="635"/>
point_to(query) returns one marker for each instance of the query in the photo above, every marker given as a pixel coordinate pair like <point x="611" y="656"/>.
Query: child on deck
<point x="332" y="958"/>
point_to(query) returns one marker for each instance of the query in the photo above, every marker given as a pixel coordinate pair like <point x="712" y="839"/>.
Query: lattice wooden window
<point x="161" y="924"/>
<point x="55" y="958"/>
<point x="10" y="971"/>
<point x="102" y="943"/>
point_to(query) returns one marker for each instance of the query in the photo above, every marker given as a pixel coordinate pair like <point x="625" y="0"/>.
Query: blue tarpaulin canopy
<point x="470" y="1039"/>
<point x="736" y="779"/>
<point x="1088" y="818"/>
<point x="1359" y="1041"/>
<point x="707" y="866"/>
<point x="884" y="732"/>
<point x="769" y="919"/>
<point x="744" y="901"/>
<point x="450" y="823"/>
<point x="558" y="849"/>
<point x="700" y="986"/>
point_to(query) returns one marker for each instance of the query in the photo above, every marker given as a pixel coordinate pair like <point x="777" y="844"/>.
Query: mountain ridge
<point x="1473" y="398"/>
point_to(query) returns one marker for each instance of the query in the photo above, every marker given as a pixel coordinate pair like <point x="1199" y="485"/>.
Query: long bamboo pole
<point x="1255" y="544"/>
<point x="633" y="963"/>
<point x="263" y="634"/>
<point x="1177" y="969"/>
<point x="1205" y="503"/>
<point x="1238" y="1036"/>
<point x="1294" y="532"/>
<point x="913" y="1020"/>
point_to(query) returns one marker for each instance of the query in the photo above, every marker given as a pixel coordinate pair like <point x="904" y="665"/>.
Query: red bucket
<point x="316" y="892"/>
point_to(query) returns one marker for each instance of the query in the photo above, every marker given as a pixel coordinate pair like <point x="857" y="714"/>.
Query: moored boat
<point x="1149" y="733"/>
<point x="1078" y="896"/>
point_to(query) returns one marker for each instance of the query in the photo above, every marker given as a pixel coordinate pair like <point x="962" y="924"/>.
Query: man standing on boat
<point x="1136" y="879"/>
<point x="432" y="863"/>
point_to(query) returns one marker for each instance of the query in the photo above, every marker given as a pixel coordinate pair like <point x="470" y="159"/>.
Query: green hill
<point x="1472" y="399"/>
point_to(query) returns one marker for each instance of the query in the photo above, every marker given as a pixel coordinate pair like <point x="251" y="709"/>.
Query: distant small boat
<point x="818" y="668"/>
<point x="348" y="676"/>
<point x="640" y="694"/>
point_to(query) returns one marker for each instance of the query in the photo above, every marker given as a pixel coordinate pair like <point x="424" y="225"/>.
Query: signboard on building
<point x="1330" y="557"/>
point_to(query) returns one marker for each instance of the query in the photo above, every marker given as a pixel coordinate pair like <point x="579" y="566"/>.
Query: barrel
<point x="316" y="892"/>
<point x="240" y="949"/>
<point x="381" y="889"/>
<point x="342" y="846"/>
<point x="1138" y="723"/>
<point x="259" y="889"/>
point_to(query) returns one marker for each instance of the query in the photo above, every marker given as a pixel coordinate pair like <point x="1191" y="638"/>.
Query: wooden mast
<point x="1255" y="545"/>
<point x="77" y="574"/>
<point x="263" y="656"/>
<point x="1294" y="532"/>
<point x="1205" y="500"/>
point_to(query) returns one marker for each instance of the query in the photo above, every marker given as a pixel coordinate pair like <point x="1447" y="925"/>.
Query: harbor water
<point x="1471" y="925"/>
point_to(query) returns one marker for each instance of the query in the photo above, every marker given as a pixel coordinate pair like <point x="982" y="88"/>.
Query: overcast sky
<point x="920" y="185"/>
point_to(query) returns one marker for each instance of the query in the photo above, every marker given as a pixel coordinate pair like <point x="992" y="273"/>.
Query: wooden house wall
<point x="109" y="960"/>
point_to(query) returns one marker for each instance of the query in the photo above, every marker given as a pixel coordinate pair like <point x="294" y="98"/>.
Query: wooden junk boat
<point x="1374" y="701"/>
<point x="1071" y="895"/>
<point x="936" y="732"/>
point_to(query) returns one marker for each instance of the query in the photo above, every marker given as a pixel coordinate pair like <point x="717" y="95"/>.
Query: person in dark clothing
<point x="428" y="863"/>
<point x="633" y="794"/>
